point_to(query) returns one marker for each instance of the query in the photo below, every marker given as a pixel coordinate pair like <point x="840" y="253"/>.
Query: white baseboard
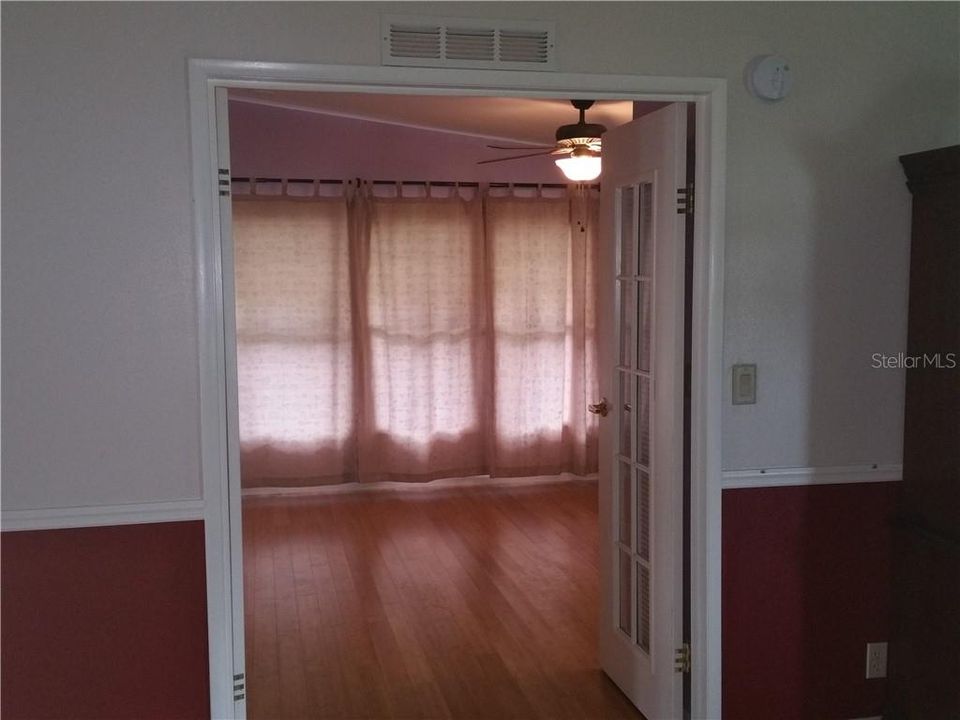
<point x="101" y="515"/>
<point x="443" y="484"/>
<point x="822" y="475"/>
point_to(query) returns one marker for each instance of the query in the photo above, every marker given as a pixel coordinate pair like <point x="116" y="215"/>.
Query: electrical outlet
<point x="876" y="660"/>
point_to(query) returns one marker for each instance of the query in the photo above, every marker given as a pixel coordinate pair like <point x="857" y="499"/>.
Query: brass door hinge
<point x="685" y="200"/>
<point x="239" y="687"/>
<point x="223" y="181"/>
<point x="681" y="662"/>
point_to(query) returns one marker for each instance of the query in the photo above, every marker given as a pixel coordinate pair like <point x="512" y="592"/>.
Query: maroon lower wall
<point x="106" y="622"/>
<point x="806" y="584"/>
<point x="111" y="622"/>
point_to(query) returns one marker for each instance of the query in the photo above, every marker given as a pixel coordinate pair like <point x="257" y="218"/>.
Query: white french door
<point x="641" y="436"/>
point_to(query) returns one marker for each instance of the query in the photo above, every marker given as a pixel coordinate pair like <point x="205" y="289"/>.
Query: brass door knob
<point x="599" y="409"/>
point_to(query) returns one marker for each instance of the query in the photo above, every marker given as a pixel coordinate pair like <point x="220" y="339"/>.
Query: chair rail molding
<point x="101" y="515"/>
<point x="817" y="475"/>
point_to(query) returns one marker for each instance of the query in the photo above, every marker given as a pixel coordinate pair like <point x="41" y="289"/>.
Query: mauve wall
<point x="268" y="141"/>
<point x="105" y="622"/>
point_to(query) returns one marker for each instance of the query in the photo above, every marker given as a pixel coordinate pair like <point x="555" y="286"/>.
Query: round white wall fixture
<point x="769" y="77"/>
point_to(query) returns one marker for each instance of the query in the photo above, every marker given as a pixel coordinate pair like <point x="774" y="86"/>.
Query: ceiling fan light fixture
<point x="581" y="165"/>
<point x="578" y="143"/>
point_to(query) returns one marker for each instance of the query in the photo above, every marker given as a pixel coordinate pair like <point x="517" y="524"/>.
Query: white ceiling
<point x="512" y="119"/>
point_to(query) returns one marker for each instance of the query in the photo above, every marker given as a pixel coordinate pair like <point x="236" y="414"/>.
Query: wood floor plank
<point x="470" y="602"/>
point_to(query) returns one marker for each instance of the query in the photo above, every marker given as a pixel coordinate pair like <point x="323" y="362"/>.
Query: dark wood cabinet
<point x="925" y="644"/>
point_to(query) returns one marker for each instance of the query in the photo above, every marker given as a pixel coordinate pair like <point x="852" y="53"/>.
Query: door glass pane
<point x="626" y="592"/>
<point x="643" y="325"/>
<point x="626" y="506"/>
<point x="627" y="320"/>
<point x="628" y="211"/>
<point x="633" y="399"/>
<point x="642" y="421"/>
<point x="643" y="608"/>
<point x="625" y="408"/>
<point x="643" y="514"/>
<point x="645" y="231"/>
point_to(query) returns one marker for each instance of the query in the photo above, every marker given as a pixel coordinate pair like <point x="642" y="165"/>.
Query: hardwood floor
<point x="473" y="602"/>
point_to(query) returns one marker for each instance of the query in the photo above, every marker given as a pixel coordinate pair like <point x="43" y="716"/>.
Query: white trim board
<point x="221" y="486"/>
<point x="445" y="484"/>
<point x="821" y="475"/>
<point x="101" y="515"/>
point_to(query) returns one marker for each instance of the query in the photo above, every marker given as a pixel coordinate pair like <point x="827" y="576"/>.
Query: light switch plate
<point x="744" y="384"/>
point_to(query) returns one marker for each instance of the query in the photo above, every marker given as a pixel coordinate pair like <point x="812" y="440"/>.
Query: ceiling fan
<point x="578" y="146"/>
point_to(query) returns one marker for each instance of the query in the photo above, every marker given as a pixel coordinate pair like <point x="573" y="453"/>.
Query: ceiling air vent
<point x="466" y="43"/>
<point x="423" y="42"/>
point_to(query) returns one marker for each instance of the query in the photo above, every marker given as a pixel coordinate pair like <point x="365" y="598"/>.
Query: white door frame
<point x="221" y="491"/>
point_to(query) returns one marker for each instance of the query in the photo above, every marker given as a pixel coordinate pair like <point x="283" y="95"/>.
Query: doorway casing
<point x="221" y="487"/>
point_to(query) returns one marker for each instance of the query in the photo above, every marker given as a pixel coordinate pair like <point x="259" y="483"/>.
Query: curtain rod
<point x="444" y="183"/>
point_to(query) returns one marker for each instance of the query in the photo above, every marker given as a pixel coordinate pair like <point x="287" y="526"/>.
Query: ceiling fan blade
<point x="515" y="157"/>
<point x="522" y="147"/>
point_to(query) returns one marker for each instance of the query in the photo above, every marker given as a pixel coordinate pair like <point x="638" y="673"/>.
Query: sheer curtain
<point x="395" y="338"/>
<point x="541" y="269"/>
<point x="295" y="348"/>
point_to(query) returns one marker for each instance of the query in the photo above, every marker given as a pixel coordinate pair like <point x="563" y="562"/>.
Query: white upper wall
<point x="99" y="314"/>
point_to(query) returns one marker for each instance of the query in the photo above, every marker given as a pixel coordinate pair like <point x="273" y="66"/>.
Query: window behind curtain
<point x="426" y="325"/>
<point x="542" y="350"/>
<point x="295" y="353"/>
<point x="466" y="347"/>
